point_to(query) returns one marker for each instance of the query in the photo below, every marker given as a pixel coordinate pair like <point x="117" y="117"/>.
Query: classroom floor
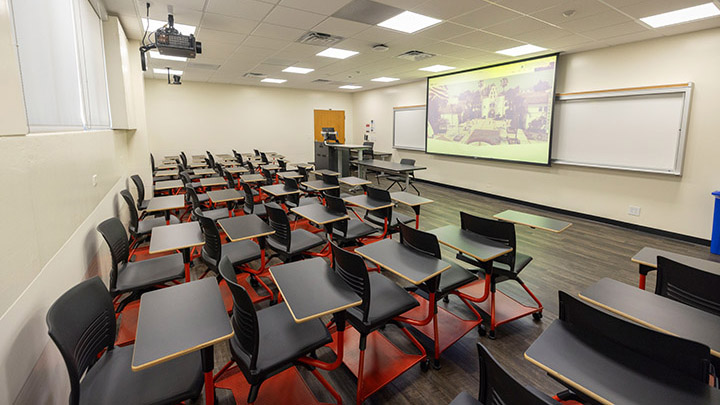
<point x="570" y="261"/>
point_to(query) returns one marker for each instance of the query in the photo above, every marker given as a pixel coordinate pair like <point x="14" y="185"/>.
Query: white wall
<point x="196" y="117"/>
<point x="676" y="204"/>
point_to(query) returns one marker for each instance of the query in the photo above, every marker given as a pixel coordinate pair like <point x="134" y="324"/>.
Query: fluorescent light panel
<point x="385" y="79"/>
<point x="437" y="68"/>
<point x="301" y="70"/>
<point x="337" y="53"/>
<point x="680" y="16"/>
<point x="350" y="87"/>
<point x="270" y="80"/>
<point x="155" y="24"/>
<point x="161" y="71"/>
<point x="158" y="55"/>
<point x="409" y="22"/>
<point x="521" y="50"/>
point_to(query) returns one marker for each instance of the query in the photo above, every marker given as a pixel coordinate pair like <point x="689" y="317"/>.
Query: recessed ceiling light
<point x="521" y="50"/>
<point x="158" y="55"/>
<point x="155" y="24"/>
<point x="165" y="71"/>
<point x="437" y="68"/>
<point x="302" y="71"/>
<point x="337" y="53"/>
<point x="409" y="22"/>
<point x="385" y="79"/>
<point x="680" y="16"/>
<point x="350" y="87"/>
<point x="269" y="80"/>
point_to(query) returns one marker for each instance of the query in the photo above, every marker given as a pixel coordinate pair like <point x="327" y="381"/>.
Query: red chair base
<point x="287" y="387"/>
<point x="383" y="360"/>
<point x="128" y="324"/>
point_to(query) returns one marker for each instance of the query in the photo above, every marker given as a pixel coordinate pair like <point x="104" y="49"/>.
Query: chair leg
<point x="328" y="387"/>
<point x="252" y="395"/>
<point x="361" y="365"/>
<point x="416" y="190"/>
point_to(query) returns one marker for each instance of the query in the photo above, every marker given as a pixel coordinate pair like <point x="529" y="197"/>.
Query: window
<point x="62" y="64"/>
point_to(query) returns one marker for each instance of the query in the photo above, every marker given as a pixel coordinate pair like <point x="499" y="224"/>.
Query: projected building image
<point x="502" y="112"/>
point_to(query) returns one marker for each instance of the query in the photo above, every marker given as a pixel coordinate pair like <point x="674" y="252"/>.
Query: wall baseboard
<point x="627" y="225"/>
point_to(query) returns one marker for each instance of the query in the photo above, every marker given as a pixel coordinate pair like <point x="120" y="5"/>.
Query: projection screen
<point x="501" y="112"/>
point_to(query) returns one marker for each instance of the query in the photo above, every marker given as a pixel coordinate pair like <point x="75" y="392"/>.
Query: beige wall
<point x="50" y="209"/>
<point x="196" y="117"/>
<point x="676" y="204"/>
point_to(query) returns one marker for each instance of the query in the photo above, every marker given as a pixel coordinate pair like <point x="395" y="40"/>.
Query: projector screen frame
<point x="552" y="115"/>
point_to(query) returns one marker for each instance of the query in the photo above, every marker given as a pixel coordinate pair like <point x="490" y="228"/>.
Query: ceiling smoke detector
<point x="568" y="13"/>
<point x="380" y="48"/>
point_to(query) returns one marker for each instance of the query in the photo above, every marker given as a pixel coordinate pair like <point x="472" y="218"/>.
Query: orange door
<point x="330" y="118"/>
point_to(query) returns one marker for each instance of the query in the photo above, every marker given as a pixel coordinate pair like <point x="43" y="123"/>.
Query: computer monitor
<point x="329" y="134"/>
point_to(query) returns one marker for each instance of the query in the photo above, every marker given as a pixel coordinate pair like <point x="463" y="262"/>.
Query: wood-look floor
<point x="569" y="261"/>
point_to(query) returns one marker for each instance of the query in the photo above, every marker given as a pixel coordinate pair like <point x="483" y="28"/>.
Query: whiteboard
<point x="409" y="127"/>
<point x="642" y="130"/>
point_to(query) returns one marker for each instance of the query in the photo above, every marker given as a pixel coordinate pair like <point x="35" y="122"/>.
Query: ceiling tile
<point x="267" y="43"/>
<point x="218" y="49"/>
<point x="517" y="26"/>
<point x="583" y="9"/>
<point x="648" y="8"/>
<point x="528" y="6"/>
<point x="367" y="12"/>
<point x="444" y="30"/>
<point x="564" y="43"/>
<point x="182" y="15"/>
<point x="252" y="52"/>
<point x="206" y="34"/>
<point x="485" y="41"/>
<point x="538" y="36"/>
<point x="444" y="9"/>
<point x="324" y="7"/>
<point x="403" y="4"/>
<point x="626" y="28"/>
<point x="221" y="22"/>
<point x="379" y="35"/>
<point x="278" y="32"/>
<point x="597" y="21"/>
<point x="290" y="17"/>
<point x="247" y="9"/>
<point x="197" y="75"/>
<point x="340" y="27"/>
<point x="688" y="27"/>
<point x="486" y="16"/>
<point x="188" y="4"/>
<point x="638" y="36"/>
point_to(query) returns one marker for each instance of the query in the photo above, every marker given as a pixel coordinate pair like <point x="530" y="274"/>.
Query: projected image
<point x="502" y="112"/>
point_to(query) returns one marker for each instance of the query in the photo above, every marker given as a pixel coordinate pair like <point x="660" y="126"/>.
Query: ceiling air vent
<point x="326" y="81"/>
<point x="319" y="38"/>
<point x="254" y="74"/>
<point x="415" y="55"/>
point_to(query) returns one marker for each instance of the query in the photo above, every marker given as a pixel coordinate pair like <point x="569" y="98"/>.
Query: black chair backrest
<point x="140" y="188"/>
<point x="249" y="201"/>
<point x="257" y="152"/>
<point x="291" y="183"/>
<point x="422" y="241"/>
<point x="194" y="200"/>
<point x="152" y="162"/>
<point x="282" y="164"/>
<point x="500" y="231"/>
<point x="410" y="162"/>
<point x="244" y="318"/>
<point x="185" y="175"/>
<point x="212" y="248"/>
<point x="687" y="357"/>
<point x="264" y="158"/>
<point x="330" y="179"/>
<point x="380" y="195"/>
<point x="333" y="192"/>
<point x="278" y="220"/>
<point x="351" y="268"/>
<point x="269" y="178"/>
<point x="133" y="211"/>
<point x="498" y="387"/>
<point x="304" y="173"/>
<point x="82" y="324"/>
<point x="113" y="231"/>
<point x="336" y="204"/>
<point x="183" y="157"/>
<point x="230" y="179"/>
<point x="210" y="159"/>
<point x="691" y="286"/>
<point x="219" y="169"/>
<point x="250" y="167"/>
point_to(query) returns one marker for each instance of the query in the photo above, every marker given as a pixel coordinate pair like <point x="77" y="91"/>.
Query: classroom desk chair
<point x="691" y="286"/>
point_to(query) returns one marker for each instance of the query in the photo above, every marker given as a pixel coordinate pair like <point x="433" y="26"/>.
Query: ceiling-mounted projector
<point x="169" y="41"/>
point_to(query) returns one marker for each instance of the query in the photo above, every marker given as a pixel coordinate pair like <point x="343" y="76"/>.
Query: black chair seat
<point x="143" y="205"/>
<point x="396" y="216"/>
<point x="355" y="229"/>
<point x="134" y="275"/>
<point x="464" y="398"/>
<point x="387" y="300"/>
<point x="112" y="381"/>
<point x="203" y="198"/>
<point x="300" y="241"/>
<point x="302" y="202"/>
<point x="454" y="277"/>
<point x="521" y="260"/>
<point x="283" y="340"/>
<point x="238" y="252"/>
<point x="195" y="184"/>
<point x="146" y="225"/>
<point x="258" y="209"/>
<point x="218" y="213"/>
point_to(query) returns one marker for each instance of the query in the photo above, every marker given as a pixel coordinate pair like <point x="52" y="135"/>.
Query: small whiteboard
<point x="409" y="127"/>
<point x="629" y="129"/>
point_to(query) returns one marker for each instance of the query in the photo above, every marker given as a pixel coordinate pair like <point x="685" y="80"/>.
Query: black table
<point x="647" y="259"/>
<point x="289" y="175"/>
<point x="279" y="190"/>
<point x="213" y="181"/>
<point x="247" y="227"/>
<point x="319" y="185"/>
<point x="166" y="173"/>
<point x="325" y="171"/>
<point x="533" y="221"/>
<point x="226" y="195"/>
<point x="387" y="167"/>
<point x="204" y="172"/>
<point x="168" y="185"/>
<point x="403" y="261"/>
<point x="656" y="312"/>
<point x="354" y="181"/>
<point x="179" y="320"/>
<point x="321" y="215"/>
<point x="609" y="373"/>
<point x="370" y="204"/>
<point x="236" y="170"/>
<point x="411" y="200"/>
<point x="183" y="237"/>
<point x="166" y="204"/>
<point x="252" y="178"/>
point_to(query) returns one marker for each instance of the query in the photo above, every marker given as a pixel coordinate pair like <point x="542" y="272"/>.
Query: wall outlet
<point x="94" y="180"/>
<point x="634" y="211"/>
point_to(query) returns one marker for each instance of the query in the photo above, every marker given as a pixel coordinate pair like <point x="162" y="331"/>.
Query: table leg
<point x="186" y="260"/>
<point x="407" y="180"/>
<point x="208" y="363"/>
<point x="644" y="270"/>
<point x="416" y="208"/>
<point x="167" y="217"/>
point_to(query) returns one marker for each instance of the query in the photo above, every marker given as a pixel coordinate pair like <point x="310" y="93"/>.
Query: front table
<point x="411" y="200"/>
<point x="179" y="320"/>
<point x="184" y="237"/>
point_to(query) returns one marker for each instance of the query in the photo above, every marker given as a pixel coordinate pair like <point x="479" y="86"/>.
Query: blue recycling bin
<point x="715" y="243"/>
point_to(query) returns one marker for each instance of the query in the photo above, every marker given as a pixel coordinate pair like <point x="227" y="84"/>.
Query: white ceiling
<point x="259" y="35"/>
